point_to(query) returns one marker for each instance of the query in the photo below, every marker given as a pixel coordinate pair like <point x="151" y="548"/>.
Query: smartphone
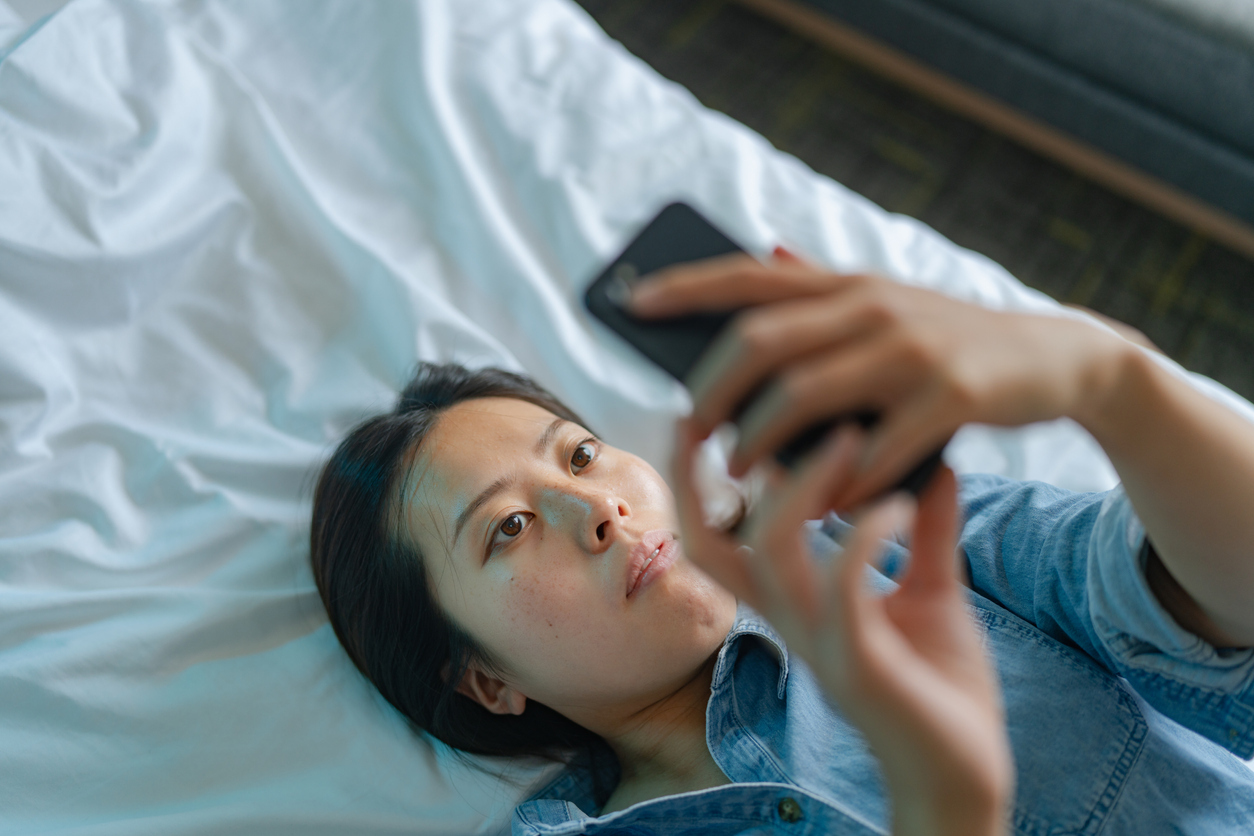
<point x="679" y="234"/>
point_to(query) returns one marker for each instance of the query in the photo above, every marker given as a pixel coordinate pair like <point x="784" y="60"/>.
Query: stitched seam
<point x="1212" y="704"/>
<point x="1131" y="750"/>
<point x="740" y="727"/>
<point x="1119" y="781"/>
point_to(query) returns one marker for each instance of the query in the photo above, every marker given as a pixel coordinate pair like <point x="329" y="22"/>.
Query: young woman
<point x="516" y="586"/>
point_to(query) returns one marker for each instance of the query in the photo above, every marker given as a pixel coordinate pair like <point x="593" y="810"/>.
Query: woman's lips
<point x="649" y="559"/>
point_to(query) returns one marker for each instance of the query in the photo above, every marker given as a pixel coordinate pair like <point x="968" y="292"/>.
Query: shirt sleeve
<point x="1073" y="564"/>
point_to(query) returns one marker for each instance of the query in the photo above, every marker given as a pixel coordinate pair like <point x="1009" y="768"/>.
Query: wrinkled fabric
<point x="1059" y="592"/>
<point x="228" y="230"/>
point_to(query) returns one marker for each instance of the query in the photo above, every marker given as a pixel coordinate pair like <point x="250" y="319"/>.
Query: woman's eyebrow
<point x="540" y="450"/>
<point x="546" y="437"/>
<point x="478" y="502"/>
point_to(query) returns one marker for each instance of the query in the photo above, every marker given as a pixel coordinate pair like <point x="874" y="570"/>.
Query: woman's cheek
<point x="649" y="493"/>
<point x="543" y="606"/>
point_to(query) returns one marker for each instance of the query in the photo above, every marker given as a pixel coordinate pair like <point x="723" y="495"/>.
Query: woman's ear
<point x="490" y="692"/>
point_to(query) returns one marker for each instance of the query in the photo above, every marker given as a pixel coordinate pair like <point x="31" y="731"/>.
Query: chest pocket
<point x="1075" y="731"/>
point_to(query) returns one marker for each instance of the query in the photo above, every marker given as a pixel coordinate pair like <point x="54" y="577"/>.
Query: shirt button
<point x="790" y="811"/>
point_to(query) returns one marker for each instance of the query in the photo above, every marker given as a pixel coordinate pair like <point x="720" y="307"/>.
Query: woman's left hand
<point x="908" y="668"/>
<point x="833" y="344"/>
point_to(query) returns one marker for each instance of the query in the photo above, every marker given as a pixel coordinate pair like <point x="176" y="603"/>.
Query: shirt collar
<point x="749" y="623"/>
<point x="589" y="779"/>
<point x="585" y="784"/>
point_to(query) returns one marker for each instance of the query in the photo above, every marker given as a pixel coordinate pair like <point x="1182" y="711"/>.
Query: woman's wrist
<point x="966" y="814"/>
<point x="1111" y="387"/>
<point x="942" y="796"/>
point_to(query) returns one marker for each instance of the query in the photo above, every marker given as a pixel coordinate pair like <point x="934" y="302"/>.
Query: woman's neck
<point x="662" y="750"/>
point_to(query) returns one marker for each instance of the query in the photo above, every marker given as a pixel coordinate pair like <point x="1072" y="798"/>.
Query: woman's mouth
<point x="649" y="559"/>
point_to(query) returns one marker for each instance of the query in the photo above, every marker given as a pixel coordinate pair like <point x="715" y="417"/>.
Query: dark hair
<point x="376" y="589"/>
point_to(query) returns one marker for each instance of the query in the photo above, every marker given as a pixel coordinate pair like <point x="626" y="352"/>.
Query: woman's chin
<point x="694" y="597"/>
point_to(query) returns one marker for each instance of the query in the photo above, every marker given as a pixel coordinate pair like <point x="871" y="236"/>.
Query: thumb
<point x="933" y="544"/>
<point x="854" y="607"/>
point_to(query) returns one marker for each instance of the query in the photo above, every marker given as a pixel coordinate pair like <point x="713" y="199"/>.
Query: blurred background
<point x="1168" y="253"/>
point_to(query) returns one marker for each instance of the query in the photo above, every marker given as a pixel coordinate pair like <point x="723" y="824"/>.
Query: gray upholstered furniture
<point x="1165" y="85"/>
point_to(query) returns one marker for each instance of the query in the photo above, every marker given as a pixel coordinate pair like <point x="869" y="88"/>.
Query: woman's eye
<point x="512" y="525"/>
<point x="583" y="455"/>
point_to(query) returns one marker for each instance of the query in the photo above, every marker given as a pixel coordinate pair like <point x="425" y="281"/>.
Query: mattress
<point x="228" y="231"/>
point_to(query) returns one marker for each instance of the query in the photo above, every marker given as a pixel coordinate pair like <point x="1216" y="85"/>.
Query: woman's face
<point x="527" y="525"/>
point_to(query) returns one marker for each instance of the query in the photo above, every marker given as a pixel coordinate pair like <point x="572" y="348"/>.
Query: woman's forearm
<point x="1187" y="465"/>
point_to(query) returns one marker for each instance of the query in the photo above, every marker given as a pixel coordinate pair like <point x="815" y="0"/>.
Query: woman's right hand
<point x="811" y="344"/>
<point x="907" y="668"/>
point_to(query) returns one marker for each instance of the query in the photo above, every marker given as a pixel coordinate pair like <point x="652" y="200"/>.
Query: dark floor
<point x="1053" y="229"/>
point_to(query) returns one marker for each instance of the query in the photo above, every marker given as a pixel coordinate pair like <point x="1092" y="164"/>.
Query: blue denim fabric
<point x="1120" y="721"/>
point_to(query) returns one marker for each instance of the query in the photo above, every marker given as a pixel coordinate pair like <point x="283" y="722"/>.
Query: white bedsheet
<point x="227" y="232"/>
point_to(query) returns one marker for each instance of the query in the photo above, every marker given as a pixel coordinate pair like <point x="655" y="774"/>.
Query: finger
<point x="797" y="496"/>
<point x="683" y="462"/>
<point x="726" y="283"/>
<point x="710" y="550"/>
<point x="933" y="545"/>
<point x="862" y="376"/>
<point x="777" y="534"/>
<point x="906" y="435"/>
<point x="852" y="607"/>
<point x="763" y="340"/>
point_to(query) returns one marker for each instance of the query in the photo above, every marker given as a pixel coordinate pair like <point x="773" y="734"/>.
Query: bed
<point x="228" y="230"/>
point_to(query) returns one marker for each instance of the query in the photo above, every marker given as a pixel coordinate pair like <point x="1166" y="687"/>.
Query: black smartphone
<point x="677" y="235"/>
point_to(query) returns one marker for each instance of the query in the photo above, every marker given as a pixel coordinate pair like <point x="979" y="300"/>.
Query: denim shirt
<point x="1121" y="722"/>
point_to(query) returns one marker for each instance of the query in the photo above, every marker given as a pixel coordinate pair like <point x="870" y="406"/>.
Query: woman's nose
<point x="605" y="524"/>
<point x="594" y="518"/>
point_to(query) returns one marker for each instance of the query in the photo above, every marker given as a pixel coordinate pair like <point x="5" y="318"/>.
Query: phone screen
<point x="677" y="235"/>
